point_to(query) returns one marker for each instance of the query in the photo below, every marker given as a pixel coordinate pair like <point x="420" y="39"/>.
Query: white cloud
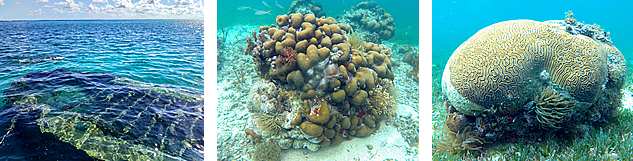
<point x="123" y="3"/>
<point x="71" y="5"/>
<point x="108" y="9"/>
<point x="42" y="1"/>
<point x="57" y="10"/>
<point x="2" y="3"/>
<point x="92" y="9"/>
<point x="16" y="2"/>
<point x="100" y="1"/>
<point x="182" y="2"/>
<point x="48" y="6"/>
<point x="148" y="8"/>
<point x="36" y="12"/>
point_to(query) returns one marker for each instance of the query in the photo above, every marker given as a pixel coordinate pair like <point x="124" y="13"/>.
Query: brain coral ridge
<point x="499" y="65"/>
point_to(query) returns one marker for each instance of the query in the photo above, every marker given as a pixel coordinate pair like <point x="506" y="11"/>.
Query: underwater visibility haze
<point x="101" y="90"/>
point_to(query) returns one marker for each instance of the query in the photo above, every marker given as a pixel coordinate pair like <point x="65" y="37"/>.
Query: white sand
<point x="386" y="143"/>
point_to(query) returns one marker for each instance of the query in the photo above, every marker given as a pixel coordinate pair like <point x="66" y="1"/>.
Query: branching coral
<point x="553" y="107"/>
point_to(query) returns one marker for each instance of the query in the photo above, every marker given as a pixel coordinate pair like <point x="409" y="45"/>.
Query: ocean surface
<point x="125" y="90"/>
<point x="455" y="21"/>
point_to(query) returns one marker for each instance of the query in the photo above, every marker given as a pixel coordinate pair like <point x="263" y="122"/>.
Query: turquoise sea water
<point x="125" y="90"/>
<point x="455" y="21"/>
<point x="405" y="13"/>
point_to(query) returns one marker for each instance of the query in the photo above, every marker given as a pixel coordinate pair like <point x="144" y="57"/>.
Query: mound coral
<point x="524" y="79"/>
<point x="502" y="59"/>
<point x="312" y="76"/>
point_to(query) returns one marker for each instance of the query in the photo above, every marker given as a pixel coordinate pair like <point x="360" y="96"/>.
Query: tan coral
<point x="320" y="115"/>
<point x="499" y="65"/>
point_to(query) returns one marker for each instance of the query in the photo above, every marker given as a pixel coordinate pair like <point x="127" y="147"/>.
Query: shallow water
<point x="126" y="90"/>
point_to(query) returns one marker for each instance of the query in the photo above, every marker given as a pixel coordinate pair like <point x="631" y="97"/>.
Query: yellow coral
<point x="499" y="65"/>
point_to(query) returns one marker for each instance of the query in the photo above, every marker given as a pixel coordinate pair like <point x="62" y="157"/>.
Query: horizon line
<point x="102" y="19"/>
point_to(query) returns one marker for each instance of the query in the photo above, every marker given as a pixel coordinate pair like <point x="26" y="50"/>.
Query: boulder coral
<point x="482" y="74"/>
<point x="528" y="79"/>
<point x="327" y="91"/>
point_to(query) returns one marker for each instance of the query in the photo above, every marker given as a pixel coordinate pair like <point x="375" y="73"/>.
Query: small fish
<point x="265" y="4"/>
<point x="262" y="12"/>
<point x="242" y="8"/>
<point x="282" y="8"/>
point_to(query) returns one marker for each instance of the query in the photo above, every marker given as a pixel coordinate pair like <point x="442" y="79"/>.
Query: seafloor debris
<point x="525" y="79"/>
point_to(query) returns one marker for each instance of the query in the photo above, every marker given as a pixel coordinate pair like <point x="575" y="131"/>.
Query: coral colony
<point x="319" y="85"/>
<point x="524" y="79"/>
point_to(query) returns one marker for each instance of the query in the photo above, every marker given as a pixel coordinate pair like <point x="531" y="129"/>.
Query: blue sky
<point x="101" y="9"/>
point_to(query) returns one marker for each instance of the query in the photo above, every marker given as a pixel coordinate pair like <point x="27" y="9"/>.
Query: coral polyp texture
<point x="370" y="19"/>
<point x="316" y="90"/>
<point x="526" y="79"/>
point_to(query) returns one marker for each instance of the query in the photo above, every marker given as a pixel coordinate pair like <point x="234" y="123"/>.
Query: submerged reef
<point x="524" y="79"/>
<point x="371" y="20"/>
<point x="411" y="58"/>
<point x="105" y="116"/>
<point x="318" y="86"/>
<point x="306" y="7"/>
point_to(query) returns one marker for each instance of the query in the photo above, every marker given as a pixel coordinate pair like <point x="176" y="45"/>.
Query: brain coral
<point x="499" y="66"/>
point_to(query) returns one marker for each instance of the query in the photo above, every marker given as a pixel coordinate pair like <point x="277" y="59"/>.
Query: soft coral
<point x="288" y="56"/>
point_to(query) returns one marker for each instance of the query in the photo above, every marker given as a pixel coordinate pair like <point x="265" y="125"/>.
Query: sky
<point x="100" y="9"/>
